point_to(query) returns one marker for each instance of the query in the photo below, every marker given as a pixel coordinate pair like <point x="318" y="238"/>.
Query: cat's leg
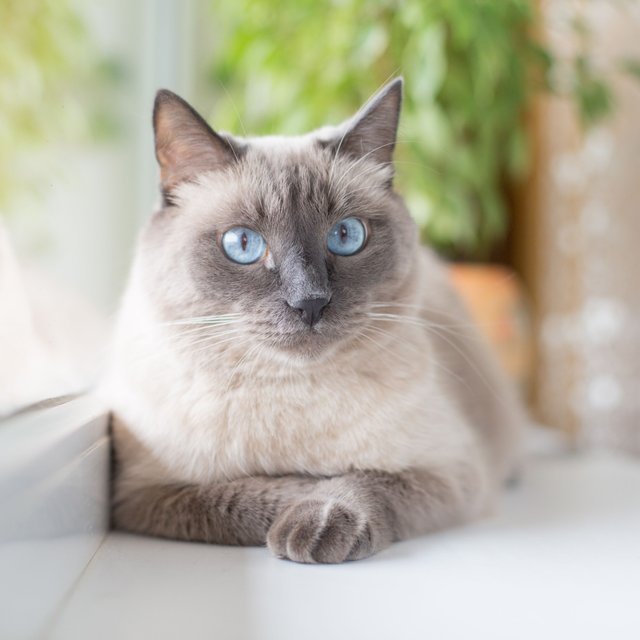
<point x="303" y="518"/>
<point x="356" y="515"/>
<point x="238" y="512"/>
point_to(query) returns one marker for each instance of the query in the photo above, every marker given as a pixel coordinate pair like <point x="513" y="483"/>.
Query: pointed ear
<point x="372" y="131"/>
<point x="185" y="144"/>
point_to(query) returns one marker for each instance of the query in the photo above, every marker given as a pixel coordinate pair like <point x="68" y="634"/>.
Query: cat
<point x="290" y="366"/>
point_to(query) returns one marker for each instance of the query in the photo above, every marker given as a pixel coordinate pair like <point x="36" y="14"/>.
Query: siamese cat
<point x="291" y="367"/>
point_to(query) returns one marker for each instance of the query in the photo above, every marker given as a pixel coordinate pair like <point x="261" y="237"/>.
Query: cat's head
<point x="297" y="235"/>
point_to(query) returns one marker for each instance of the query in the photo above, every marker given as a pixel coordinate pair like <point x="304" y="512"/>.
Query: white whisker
<point x="205" y="320"/>
<point x="419" y="322"/>
<point x="432" y="361"/>
<point x="419" y="307"/>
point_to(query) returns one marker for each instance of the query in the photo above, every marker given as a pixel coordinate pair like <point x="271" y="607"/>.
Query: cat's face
<point x="298" y="236"/>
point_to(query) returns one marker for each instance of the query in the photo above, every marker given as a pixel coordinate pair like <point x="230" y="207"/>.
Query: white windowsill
<point x="54" y="472"/>
<point x="560" y="560"/>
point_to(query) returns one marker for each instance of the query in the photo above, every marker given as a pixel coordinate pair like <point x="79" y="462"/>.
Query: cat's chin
<point x="305" y="347"/>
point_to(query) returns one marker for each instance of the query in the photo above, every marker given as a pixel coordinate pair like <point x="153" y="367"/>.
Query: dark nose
<point x="310" y="309"/>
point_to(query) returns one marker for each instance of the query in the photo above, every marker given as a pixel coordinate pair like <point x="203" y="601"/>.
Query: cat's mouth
<point x="306" y="343"/>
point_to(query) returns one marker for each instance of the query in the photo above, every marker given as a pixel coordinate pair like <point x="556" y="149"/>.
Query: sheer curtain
<point x="583" y="225"/>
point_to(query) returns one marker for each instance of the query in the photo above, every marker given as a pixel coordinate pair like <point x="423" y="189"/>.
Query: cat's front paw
<point x="325" y="531"/>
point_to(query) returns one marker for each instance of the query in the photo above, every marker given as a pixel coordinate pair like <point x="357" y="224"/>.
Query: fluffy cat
<point x="290" y="366"/>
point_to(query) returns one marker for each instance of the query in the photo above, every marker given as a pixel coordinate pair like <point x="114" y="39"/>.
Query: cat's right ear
<point x="372" y="132"/>
<point x="186" y="146"/>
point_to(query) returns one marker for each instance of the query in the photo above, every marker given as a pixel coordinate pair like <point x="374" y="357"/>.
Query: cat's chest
<point x="293" y="423"/>
<point x="270" y="420"/>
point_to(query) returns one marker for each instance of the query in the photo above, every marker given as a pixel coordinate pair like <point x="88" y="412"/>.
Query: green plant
<point x="47" y="65"/>
<point x="471" y="67"/>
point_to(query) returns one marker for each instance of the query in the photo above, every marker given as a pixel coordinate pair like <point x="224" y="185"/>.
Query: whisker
<point x="420" y="322"/>
<point x="186" y="342"/>
<point x="212" y="339"/>
<point x="426" y="308"/>
<point x="432" y="360"/>
<point x="438" y="331"/>
<point x="189" y="332"/>
<point x="419" y="307"/>
<point x="200" y="330"/>
<point x="204" y="320"/>
<point x="416" y="322"/>
<point x="220" y="355"/>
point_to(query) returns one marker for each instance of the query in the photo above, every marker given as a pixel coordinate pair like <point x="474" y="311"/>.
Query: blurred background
<point x="519" y="157"/>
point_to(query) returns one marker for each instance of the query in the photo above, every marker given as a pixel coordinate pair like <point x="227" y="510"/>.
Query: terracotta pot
<point x="497" y="302"/>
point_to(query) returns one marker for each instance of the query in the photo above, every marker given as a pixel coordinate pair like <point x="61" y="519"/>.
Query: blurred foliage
<point x="471" y="67"/>
<point x="52" y="81"/>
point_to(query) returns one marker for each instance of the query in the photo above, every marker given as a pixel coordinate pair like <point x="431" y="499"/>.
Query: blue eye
<point x="347" y="237"/>
<point x="243" y="245"/>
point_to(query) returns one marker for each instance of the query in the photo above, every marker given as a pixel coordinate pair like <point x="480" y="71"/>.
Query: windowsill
<point x="560" y="559"/>
<point x="54" y="469"/>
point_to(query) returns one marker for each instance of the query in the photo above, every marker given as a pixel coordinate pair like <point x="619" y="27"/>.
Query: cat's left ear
<point x="372" y="132"/>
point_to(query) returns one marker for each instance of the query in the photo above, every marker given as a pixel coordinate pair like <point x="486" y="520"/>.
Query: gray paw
<point x="321" y="531"/>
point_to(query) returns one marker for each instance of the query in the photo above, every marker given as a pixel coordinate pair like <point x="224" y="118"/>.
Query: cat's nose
<point x="310" y="309"/>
